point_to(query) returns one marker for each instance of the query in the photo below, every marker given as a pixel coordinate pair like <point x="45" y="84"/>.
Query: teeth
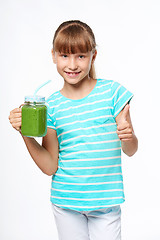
<point x="72" y="73"/>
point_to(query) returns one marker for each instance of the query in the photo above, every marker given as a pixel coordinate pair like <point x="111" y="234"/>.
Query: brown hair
<point x="75" y="36"/>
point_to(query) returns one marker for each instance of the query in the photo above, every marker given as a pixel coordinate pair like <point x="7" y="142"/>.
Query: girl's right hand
<point x="15" y="118"/>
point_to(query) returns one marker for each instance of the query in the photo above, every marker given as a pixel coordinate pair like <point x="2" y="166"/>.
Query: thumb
<point x="126" y="112"/>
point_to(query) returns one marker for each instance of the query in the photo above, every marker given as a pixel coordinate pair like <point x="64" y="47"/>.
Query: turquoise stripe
<point x="86" y="196"/>
<point x="93" y="163"/>
<point x="65" y="134"/>
<point x="107" y="170"/>
<point x="91" y="154"/>
<point x="90" y="138"/>
<point x="95" y="145"/>
<point x="89" y="116"/>
<point x="108" y="186"/>
<point x="93" y="179"/>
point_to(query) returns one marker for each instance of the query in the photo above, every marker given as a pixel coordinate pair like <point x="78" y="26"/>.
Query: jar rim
<point x="36" y="99"/>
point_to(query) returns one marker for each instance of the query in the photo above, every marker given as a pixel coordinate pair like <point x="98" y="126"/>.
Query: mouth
<point x="72" y="74"/>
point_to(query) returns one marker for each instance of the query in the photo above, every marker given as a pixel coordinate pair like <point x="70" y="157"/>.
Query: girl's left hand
<point x="124" y="125"/>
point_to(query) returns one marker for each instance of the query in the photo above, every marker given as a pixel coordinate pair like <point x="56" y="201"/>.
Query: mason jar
<point x="34" y="117"/>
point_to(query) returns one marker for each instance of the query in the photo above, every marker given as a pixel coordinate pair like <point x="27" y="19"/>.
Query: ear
<point x="53" y="56"/>
<point x="94" y="56"/>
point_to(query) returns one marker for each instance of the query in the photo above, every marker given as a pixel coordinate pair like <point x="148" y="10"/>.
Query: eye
<point x="63" y="55"/>
<point x="81" y="56"/>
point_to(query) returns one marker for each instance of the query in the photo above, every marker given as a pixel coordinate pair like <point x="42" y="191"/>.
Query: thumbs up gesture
<point x="124" y="125"/>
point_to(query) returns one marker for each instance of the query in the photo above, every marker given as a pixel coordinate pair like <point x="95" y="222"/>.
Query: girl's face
<point x="73" y="67"/>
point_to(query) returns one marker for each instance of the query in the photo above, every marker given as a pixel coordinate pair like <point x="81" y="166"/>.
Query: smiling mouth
<point x="72" y="74"/>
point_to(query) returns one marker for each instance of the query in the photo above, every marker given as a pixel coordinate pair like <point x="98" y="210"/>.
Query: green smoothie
<point x="34" y="120"/>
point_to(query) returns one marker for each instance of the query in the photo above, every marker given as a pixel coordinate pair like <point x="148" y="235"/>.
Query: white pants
<point x="88" y="225"/>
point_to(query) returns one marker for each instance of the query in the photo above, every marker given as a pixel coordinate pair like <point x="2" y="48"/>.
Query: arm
<point x="45" y="155"/>
<point x="126" y="133"/>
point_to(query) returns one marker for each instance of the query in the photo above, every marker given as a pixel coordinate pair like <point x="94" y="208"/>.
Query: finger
<point x="16" y="110"/>
<point x="124" y="131"/>
<point x="126" y="111"/>
<point x="16" y="125"/>
<point x="15" y="115"/>
<point x="126" y="139"/>
<point x="17" y="120"/>
<point x="125" y="136"/>
<point x="123" y="126"/>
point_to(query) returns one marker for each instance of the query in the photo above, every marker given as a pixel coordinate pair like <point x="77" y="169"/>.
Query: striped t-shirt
<point x="89" y="175"/>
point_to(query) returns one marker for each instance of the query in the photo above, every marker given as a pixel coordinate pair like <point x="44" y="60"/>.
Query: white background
<point x="128" y="38"/>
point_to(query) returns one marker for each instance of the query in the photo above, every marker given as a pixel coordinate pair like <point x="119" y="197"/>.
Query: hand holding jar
<point x="15" y="118"/>
<point x="31" y="119"/>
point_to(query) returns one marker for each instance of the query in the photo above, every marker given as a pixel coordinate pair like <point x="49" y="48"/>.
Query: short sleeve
<point x="120" y="97"/>
<point x="50" y="117"/>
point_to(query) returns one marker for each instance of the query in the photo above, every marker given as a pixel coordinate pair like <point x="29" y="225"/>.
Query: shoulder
<point x="104" y="83"/>
<point x="53" y="98"/>
<point x="117" y="88"/>
<point x="109" y="85"/>
<point x="115" y="85"/>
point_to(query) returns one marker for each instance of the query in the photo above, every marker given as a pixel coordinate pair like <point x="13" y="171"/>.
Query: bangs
<point x="71" y="40"/>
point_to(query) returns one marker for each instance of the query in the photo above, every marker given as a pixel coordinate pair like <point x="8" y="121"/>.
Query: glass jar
<point x="34" y="117"/>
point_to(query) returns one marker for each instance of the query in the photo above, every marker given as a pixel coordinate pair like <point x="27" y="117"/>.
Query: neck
<point x="79" y="90"/>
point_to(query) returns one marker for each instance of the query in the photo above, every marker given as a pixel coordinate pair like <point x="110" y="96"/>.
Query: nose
<point x="72" y="64"/>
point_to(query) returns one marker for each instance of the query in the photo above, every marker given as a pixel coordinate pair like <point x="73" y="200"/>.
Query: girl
<point x="88" y="125"/>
